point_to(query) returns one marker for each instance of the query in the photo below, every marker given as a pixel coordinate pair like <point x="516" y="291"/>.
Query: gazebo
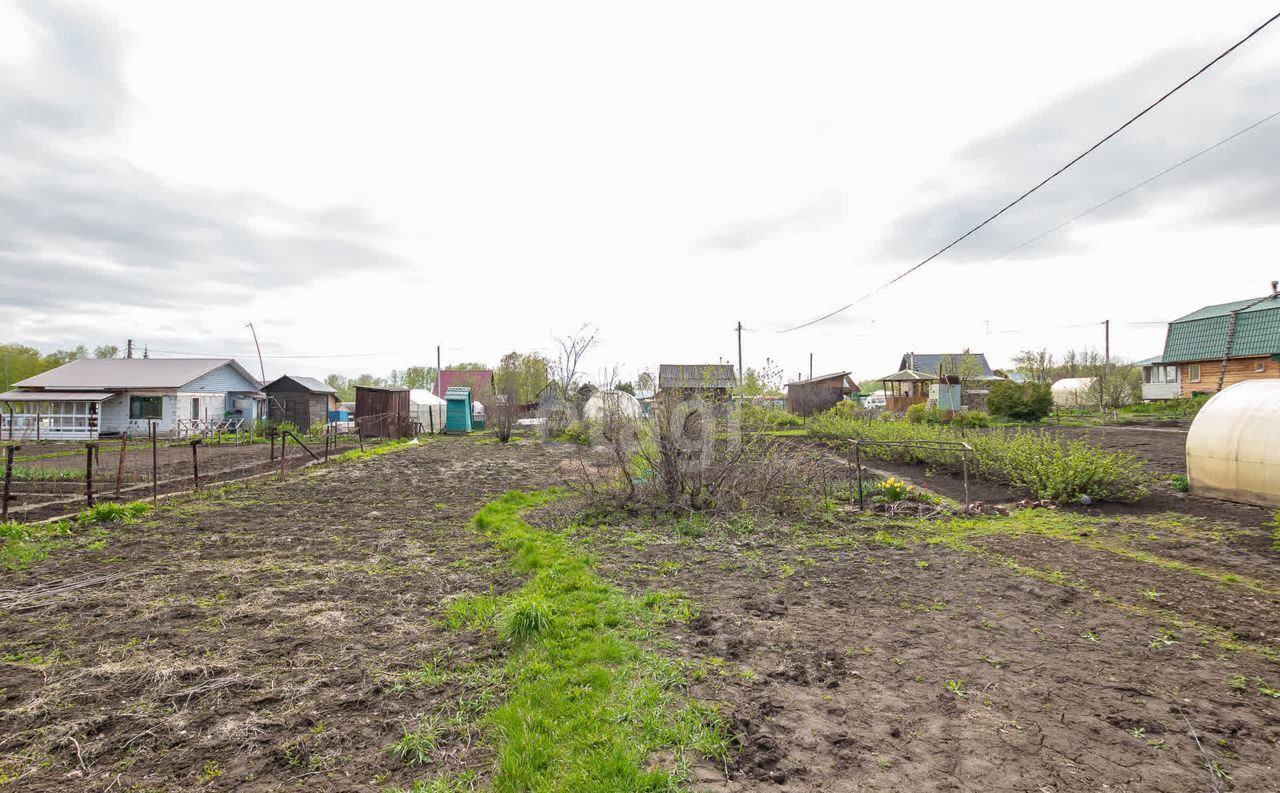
<point x="906" y="388"/>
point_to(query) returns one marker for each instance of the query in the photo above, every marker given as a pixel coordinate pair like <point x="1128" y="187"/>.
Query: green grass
<point x="590" y="705"/>
<point x="21" y="544"/>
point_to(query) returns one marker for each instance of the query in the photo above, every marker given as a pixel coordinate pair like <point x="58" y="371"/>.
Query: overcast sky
<point x="368" y="181"/>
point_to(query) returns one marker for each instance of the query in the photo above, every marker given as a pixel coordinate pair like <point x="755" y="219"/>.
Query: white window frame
<point x="1193" y="373"/>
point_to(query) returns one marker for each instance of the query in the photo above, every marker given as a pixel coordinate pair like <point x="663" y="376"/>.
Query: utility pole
<point x="261" y="369"/>
<point x="128" y="346"/>
<point x="438" y="370"/>
<point x="810" y="366"/>
<point x="1106" y="363"/>
<point x="742" y="385"/>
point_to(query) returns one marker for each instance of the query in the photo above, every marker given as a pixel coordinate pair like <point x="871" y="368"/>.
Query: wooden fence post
<point x="88" y="473"/>
<point x="195" y="464"/>
<point x="124" y="442"/>
<point x="283" y="449"/>
<point x="8" y="480"/>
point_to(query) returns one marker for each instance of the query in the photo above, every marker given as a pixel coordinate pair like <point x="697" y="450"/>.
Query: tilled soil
<point x="253" y="643"/>
<point x="847" y="664"/>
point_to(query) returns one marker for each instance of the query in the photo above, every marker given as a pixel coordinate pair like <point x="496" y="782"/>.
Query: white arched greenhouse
<point x="1072" y="392"/>
<point x="617" y="403"/>
<point x="1233" y="447"/>
<point x="427" y="409"/>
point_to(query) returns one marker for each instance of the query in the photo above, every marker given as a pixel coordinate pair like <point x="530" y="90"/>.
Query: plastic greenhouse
<point x="1233" y="447"/>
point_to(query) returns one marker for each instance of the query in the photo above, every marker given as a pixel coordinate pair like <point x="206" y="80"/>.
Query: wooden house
<point x="905" y="388"/>
<point x="92" y="398"/>
<point x="301" y="401"/>
<point x="817" y="394"/>
<point x="1217" y="346"/>
<point x="713" y="382"/>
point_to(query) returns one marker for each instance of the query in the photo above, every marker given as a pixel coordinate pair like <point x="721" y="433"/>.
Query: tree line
<point x="18" y="361"/>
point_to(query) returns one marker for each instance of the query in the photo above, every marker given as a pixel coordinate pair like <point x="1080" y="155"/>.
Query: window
<point x="1171" y="374"/>
<point x="1193" y="373"/>
<point x="1259" y="366"/>
<point x="146" y="407"/>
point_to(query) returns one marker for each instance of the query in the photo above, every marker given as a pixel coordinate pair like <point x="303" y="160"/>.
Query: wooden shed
<point x="302" y="401"/>
<point x="383" y="412"/>
<point x="817" y="394"/>
<point x="458" y="413"/>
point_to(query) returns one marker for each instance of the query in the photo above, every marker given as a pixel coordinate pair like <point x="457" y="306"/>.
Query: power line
<point x="1043" y="182"/>
<point x="1137" y="186"/>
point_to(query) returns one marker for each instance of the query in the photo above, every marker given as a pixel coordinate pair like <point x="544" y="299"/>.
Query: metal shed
<point x="458" y="412"/>
<point x="383" y="412"/>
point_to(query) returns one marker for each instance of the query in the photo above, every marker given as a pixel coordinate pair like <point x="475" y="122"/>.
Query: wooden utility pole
<point x="810" y="366"/>
<point x="438" y="371"/>
<point x="261" y="369"/>
<point x="128" y="347"/>
<point x="742" y="389"/>
<point x="1106" y="363"/>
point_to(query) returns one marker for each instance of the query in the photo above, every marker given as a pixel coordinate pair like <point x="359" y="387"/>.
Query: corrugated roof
<point x="1152" y="361"/>
<point x="457" y="392"/>
<point x="909" y="375"/>
<point x="696" y="375"/>
<point x="1202" y="335"/>
<point x="55" y="396"/>
<point x="313" y="385"/>
<point x="819" y="378"/>
<point x="123" y="373"/>
<point x="929" y="362"/>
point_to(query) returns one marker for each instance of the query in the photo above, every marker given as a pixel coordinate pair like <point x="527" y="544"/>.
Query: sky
<point x="364" y="183"/>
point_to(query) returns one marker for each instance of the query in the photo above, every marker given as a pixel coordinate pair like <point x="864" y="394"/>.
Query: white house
<point x="90" y="398"/>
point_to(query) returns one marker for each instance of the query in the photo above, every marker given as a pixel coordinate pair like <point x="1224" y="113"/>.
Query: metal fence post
<point x="88" y="473"/>
<point x="195" y="464"/>
<point x="155" y="463"/>
<point x="124" y="443"/>
<point x="857" y="456"/>
<point x="8" y="481"/>
<point x="283" y="449"/>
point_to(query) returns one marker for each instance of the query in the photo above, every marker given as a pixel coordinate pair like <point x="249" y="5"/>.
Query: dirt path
<point x="256" y="641"/>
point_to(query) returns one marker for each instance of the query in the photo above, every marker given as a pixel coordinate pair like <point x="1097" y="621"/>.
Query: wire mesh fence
<point x="45" y="479"/>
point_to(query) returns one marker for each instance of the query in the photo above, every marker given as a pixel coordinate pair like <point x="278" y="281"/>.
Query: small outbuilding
<point x="382" y="412"/>
<point x="1233" y="446"/>
<point x="427" y="410"/>
<point x="458" y="411"/>
<point x="301" y="401"/>
<point x="817" y="394"/>
<point x="1073" y="392"/>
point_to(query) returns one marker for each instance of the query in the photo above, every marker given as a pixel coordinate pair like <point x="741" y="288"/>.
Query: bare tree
<point x="572" y="349"/>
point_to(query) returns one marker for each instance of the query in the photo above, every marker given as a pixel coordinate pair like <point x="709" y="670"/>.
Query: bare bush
<point x="690" y="456"/>
<point x="501" y="411"/>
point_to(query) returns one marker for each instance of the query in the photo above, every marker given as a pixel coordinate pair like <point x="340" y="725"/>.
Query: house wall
<point x="1238" y="371"/>
<point x="208" y="406"/>
<point x="221" y="380"/>
<point x="118" y="409"/>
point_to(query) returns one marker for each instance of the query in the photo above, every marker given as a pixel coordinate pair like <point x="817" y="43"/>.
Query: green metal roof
<point x="1202" y="335"/>
<point x="908" y="375"/>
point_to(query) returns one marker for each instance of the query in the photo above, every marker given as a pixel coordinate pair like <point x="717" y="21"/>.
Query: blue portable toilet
<point x="457" y="418"/>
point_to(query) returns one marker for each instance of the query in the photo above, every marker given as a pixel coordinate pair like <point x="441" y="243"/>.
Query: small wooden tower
<point x="458" y="410"/>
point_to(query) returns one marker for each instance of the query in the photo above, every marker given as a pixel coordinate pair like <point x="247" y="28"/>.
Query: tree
<point x="626" y="388"/>
<point x="572" y="349"/>
<point x="60" y="357"/>
<point x="522" y="374"/>
<point x="106" y="351"/>
<point x="1020" y="401"/>
<point x="1035" y="364"/>
<point x="418" y="377"/>
<point x="645" y="383"/>
<point x="966" y="366"/>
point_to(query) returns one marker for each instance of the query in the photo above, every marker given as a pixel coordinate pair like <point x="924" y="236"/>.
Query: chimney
<point x="1275" y="288"/>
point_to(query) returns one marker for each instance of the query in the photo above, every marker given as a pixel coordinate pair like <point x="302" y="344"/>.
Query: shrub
<point x="768" y="418"/>
<point x="915" y="414"/>
<point x="578" y="432"/>
<point x="971" y="419"/>
<point x="1179" y="483"/>
<point x="1032" y="461"/>
<point x="1020" y="401"/>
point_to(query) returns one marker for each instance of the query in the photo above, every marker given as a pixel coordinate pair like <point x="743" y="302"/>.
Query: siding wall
<point x="1238" y="370"/>
<point x="221" y="380"/>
